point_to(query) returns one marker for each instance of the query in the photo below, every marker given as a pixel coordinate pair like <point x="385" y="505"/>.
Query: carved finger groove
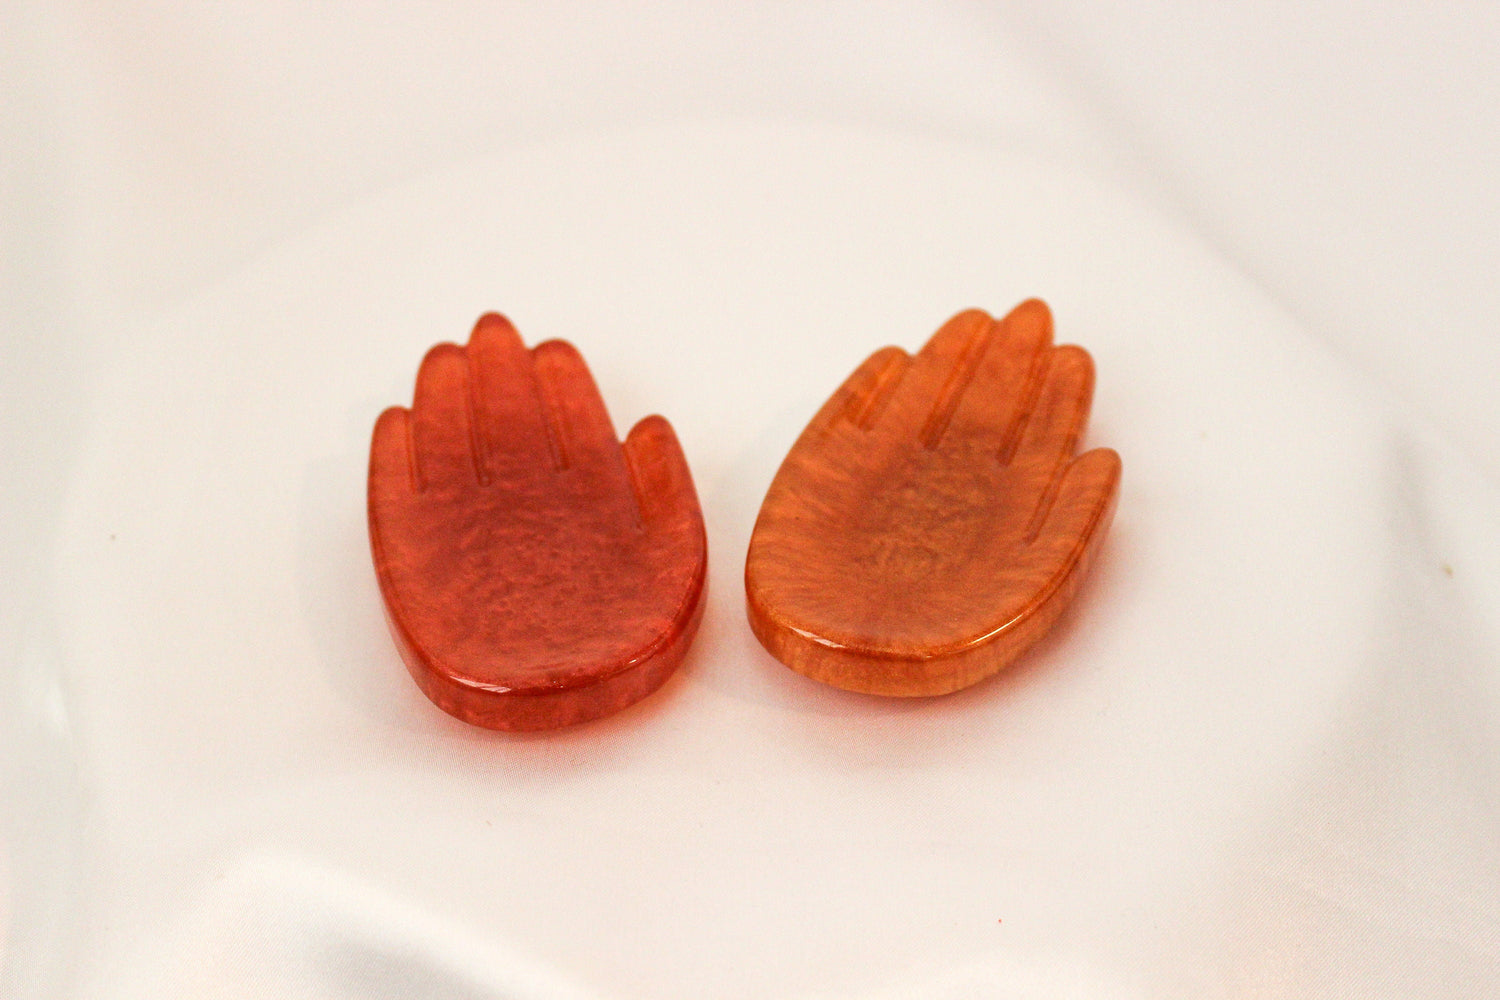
<point x="473" y="412"/>
<point x="1030" y="389"/>
<point x="637" y="487"/>
<point x="413" y="468"/>
<point x="1044" y="506"/>
<point x="557" y="436"/>
<point x="553" y="421"/>
<point x="874" y="402"/>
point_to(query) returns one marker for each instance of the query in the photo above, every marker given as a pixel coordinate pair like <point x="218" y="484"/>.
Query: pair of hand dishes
<point x="930" y="524"/>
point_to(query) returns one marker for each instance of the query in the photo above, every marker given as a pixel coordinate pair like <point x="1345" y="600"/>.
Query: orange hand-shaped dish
<point x="535" y="572"/>
<point x="932" y="521"/>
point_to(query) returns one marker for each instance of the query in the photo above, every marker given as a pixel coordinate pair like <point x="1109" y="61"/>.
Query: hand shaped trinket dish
<point x="535" y="572"/>
<point x="932" y="522"/>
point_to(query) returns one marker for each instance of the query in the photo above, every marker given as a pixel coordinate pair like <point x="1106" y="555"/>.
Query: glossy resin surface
<point x="535" y="572"/>
<point x="933" y="521"/>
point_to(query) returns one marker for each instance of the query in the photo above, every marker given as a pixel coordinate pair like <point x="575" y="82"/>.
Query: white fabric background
<point x="229" y="236"/>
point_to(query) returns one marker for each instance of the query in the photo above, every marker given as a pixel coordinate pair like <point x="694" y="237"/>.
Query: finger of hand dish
<point x="1056" y="421"/>
<point x="1005" y="380"/>
<point x="440" y="418"/>
<point x="934" y="382"/>
<point x="510" y="432"/>
<point x="393" y="472"/>
<point x="1081" y="503"/>
<point x="659" y="472"/>
<point x="861" y="397"/>
<point x="584" y="434"/>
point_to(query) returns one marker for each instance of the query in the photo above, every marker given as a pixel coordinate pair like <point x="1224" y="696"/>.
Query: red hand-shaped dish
<point x="535" y="572"/>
